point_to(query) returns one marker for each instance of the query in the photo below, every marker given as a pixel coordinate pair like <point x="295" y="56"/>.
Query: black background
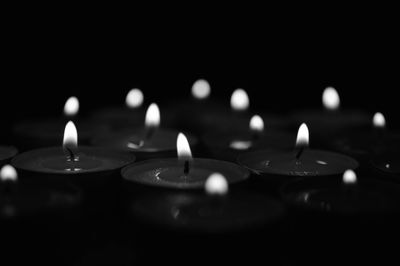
<point x="283" y="60"/>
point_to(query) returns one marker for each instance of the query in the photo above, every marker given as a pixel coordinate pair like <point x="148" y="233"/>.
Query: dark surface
<point x="284" y="63"/>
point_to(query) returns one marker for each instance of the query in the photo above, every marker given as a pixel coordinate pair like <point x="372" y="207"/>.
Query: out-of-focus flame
<point x="8" y="173"/>
<point x="349" y="177"/>
<point x="256" y="124"/>
<point x="240" y="144"/>
<point x="216" y="184"/>
<point x="240" y="100"/>
<point x="303" y="136"/>
<point x="183" y="147"/>
<point x="70" y="136"/>
<point x="134" y="98"/>
<point x="330" y="99"/>
<point x="71" y="107"/>
<point x="379" y="121"/>
<point x="201" y="89"/>
<point x="152" y="119"/>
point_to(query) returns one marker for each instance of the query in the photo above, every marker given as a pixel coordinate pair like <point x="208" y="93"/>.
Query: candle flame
<point x="240" y="100"/>
<point x="152" y="116"/>
<point x="71" y="107"/>
<point x="183" y="147"/>
<point x="134" y="98"/>
<point x="330" y="99"/>
<point x="256" y="124"/>
<point x="349" y="177"/>
<point x="201" y="89"/>
<point x="303" y="136"/>
<point x="379" y="120"/>
<point x="8" y="173"/>
<point x="70" y="136"/>
<point x="216" y="184"/>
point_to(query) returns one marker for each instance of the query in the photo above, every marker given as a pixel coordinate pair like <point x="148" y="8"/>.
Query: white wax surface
<point x="311" y="163"/>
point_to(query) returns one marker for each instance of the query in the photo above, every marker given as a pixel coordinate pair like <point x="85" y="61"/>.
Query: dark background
<point x="283" y="60"/>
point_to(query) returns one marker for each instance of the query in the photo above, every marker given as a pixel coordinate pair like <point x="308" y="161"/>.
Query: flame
<point x="152" y="116"/>
<point x="216" y="184"/>
<point x="303" y="136"/>
<point x="256" y="124"/>
<point x="8" y="173"/>
<point x="349" y="177"/>
<point x="201" y="89"/>
<point x="71" y="106"/>
<point x="240" y="144"/>
<point x="379" y="120"/>
<point x="134" y="98"/>
<point x="183" y="147"/>
<point x="240" y="100"/>
<point x="70" y="136"/>
<point x="330" y="99"/>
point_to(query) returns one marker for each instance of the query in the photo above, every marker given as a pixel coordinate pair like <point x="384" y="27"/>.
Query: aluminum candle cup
<point x="183" y="172"/>
<point x="147" y="142"/>
<point x="84" y="165"/>
<point x="215" y="211"/>
<point x="6" y="153"/>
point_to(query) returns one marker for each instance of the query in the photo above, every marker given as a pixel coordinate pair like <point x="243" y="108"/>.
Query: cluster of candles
<point x="202" y="192"/>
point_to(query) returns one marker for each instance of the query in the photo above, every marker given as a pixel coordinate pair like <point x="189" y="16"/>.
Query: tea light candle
<point x="216" y="210"/>
<point x="183" y="172"/>
<point x="228" y="145"/>
<point x="345" y="195"/>
<point x="26" y="198"/>
<point x="363" y="143"/>
<point x="299" y="162"/>
<point x="147" y="142"/>
<point x="48" y="132"/>
<point x="332" y="118"/>
<point x="6" y="153"/>
<point x="71" y="160"/>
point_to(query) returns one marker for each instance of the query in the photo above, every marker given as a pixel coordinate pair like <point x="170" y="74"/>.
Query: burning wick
<point x="184" y="152"/>
<point x="302" y="140"/>
<point x="134" y="98"/>
<point x="8" y="177"/>
<point x="71" y="107"/>
<point x="240" y="100"/>
<point x="349" y="177"/>
<point x="330" y="99"/>
<point x="201" y="89"/>
<point x="216" y="184"/>
<point x="70" y="142"/>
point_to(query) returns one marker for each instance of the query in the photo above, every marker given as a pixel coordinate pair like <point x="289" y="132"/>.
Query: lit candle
<point x="183" y="172"/>
<point x="77" y="162"/>
<point x="48" y="132"/>
<point x="215" y="209"/>
<point x="228" y="145"/>
<point x="146" y="142"/>
<point x="6" y="154"/>
<point x="301" y="161"/>
<point x="346" y="195"/>
<point x="24" y="198"/>
<point x="324" y="123"/>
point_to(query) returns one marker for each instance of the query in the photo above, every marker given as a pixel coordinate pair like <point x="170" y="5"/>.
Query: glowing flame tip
<point x="8" y="173"/>
<point x="70" y="136"/>
<point x="201" y="89"/>
<point x="216" y="184"/>
<point x="71" y="107"/>
<point x="379" y="120"/>
<point x="330" y="99"/>
<point x="183" y="147"/>
<point x="256" y="123"/>
<point x="152" y="116"/>
<point x="134" y="98"/>
<point x="349" y="177"/>
<point x="303" y="136"/>
<point x="240" y="100"/>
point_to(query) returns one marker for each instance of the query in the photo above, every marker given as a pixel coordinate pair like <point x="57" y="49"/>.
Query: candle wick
<point x="299" y="152"/>
<point x="186" y="167"/>
<point x="71" y="154"/>
<point x="148" y="134"/>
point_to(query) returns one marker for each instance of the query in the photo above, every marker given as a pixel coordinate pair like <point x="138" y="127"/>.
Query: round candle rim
<point x="13" y="151"/>
<point x="15" y="161"/>
<point x="246" y="172"/>
<point x="318" y="183"/>
<point x="241" y="156"/>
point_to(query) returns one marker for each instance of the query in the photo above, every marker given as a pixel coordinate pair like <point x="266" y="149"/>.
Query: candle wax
<point x="200" y="212"/>
<point x="170" y="172"/>
<point x="53" y="160"/>
<point x="311" y="163"/>
<point x="332" y="195"/>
